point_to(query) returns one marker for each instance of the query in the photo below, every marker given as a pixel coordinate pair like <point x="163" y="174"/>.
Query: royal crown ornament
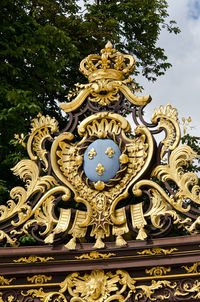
<point x="110" y="65"/>
<point x="108" y="78"/>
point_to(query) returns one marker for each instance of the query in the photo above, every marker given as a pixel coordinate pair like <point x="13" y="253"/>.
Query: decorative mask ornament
<point x="101" y="176"/>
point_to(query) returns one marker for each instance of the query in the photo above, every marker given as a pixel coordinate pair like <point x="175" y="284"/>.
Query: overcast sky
<point x="180" y="86"/>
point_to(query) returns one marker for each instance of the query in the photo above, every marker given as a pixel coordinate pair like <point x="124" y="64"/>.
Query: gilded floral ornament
<point x="158" y="251"/>
<point x="102" y="286"/>
<point x="95" y="255"/>
<point x="158" y="271"/>
<point x="5" y="281"/>
<point x="39" y="279"/>
<point x="33" y="259"/>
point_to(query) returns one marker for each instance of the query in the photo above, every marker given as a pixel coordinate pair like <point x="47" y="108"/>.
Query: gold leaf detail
<point x="92" y="153"/>
<point x="4" y="281"/>
<point x="187" y="182"/>
<point x="95" y="255"/>
<point x="39" y="279"/>
<point x="158" y="271"/>
<point x="157" y="251"/>
<point x="167" y="116"/>
<point x="193" y="268"/>
<point x="100" y="169"/>
<point x="99" y="185"/>
<point x="110" y="152"/>
<point x="12" y="242"/>
<point x="42" y="127"/>
<point x="33" y="259"/>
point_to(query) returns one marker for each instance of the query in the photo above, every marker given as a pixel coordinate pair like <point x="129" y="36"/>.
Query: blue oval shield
<point x="101" y="160"/>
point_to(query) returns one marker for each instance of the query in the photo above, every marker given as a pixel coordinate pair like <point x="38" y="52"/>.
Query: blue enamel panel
<point x="103" y="155"/>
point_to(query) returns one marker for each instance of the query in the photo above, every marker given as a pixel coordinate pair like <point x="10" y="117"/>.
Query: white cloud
<point x="180" y="86"/>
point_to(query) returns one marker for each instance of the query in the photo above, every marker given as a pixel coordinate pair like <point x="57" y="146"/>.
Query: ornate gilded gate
<point x="103" y="200"/>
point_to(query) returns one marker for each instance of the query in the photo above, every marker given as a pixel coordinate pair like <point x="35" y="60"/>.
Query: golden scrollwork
<point x="104" y="287"/>
<point x="106" y="74"/>
<point x="44" y="296"/>
<point x="193" y="268"/>
<point x="95" y="255"/>
<point x="119" y="285"/>
<point x="5" y="281"/>
<point x="9" y="240"/>
<point x="158" y="251"/>
<point x="100" y="206"/>
<point x="158" y="270"/>
<point x="28" y="171"/>
<point x="33" y="259"/>
<point x="167" y="117"/>
<point x="41" y="129"/>
<point x="39" y="279"/>
<point x="174" y="171"/>
<point x="140" y="167"/>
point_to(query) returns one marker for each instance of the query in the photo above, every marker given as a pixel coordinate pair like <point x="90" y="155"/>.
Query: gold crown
<point x="109" y="65"/>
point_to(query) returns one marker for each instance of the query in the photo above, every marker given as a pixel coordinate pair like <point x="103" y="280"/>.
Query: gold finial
<point x="109" y="65"/>
<point x="109" y="45"/>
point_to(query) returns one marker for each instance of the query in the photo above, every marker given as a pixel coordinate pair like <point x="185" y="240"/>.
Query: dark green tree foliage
<point x="194" y="143"/>
<point x="41" y="45"/>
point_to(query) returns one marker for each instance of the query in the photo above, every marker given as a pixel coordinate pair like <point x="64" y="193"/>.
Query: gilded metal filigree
<point x="39" y="279"/>
<point x="148" y="190"/>
<point x="95" y="255"/>
<point x="33" y="259"/>
<point x="105" y="287"/>
<point x="158" y="271"/>
<point x="5" y="281"/>
<point x="158" y="251"/>
<point x="106" y="75"/>
<point x="193" y="268"/>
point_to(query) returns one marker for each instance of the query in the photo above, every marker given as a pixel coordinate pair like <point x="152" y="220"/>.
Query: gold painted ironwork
<point x="107" y="77"/>
<point x="42" y="128"/>
<point x="158" y="251"/>
<point x="5" y="281"/>
<point x="193" y="268"/>
<point x="101" y="206"/>
<point x="102" y="286"/>
<point x="33" y="259"/>
<point x="158" y="271"/>
<point x="39" y="279"/>
<point x="95" y="255"/>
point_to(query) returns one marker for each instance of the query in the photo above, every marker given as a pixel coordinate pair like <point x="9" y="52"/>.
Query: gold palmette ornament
<point x="81" y="182"/>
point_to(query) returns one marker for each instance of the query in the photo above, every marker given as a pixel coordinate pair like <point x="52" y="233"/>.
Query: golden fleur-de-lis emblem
<point x="110" y="152"/>
<point x="100" y="169"/>
<point x="92" y="153"/>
